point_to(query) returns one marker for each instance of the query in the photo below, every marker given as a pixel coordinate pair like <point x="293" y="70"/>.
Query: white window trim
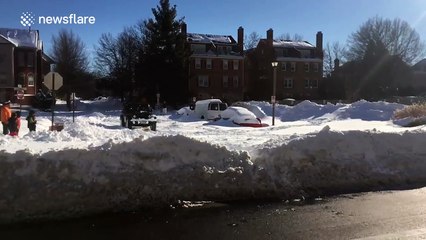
<point x="235" y="82"/>
<point x="288" y="83"/>
<point x="284" y="66"/>
<point x="30" y="83"/>
<point x="203" y="81"/>
<point x="227" y="81"/>
<point x="235" y="64"/>
<point x="306" y="67"/>
<point x="293" y="67"/>
<point x="197" y="63"/>
<point x="316" y="67"/>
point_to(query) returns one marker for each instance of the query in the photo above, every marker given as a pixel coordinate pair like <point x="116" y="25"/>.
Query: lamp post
<point x="274" y="89"/>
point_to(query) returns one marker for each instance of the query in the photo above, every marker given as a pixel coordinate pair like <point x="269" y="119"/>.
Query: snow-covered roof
<point x="210" y="38"/>
<point x="292" y="44"/>
<point x="22" y="37"/>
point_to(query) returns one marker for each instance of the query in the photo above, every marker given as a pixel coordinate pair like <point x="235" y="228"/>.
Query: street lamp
<point x="274" y="89"/>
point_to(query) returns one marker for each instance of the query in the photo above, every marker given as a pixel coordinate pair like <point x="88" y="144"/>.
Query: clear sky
<point x="337" y="19"/>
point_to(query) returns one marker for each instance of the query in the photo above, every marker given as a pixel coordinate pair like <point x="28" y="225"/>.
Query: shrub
<point x="415" y="111"/>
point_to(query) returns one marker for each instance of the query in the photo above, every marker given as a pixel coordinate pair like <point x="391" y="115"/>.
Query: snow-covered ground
<point x="94" y="165"/>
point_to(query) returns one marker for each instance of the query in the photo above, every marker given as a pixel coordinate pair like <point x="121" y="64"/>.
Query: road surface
<point x="378" y="215"/>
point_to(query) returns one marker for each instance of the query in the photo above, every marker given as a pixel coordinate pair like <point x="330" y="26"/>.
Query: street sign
<point x="20" y="94"/>
<point x="53" y="81"/>
<point x="272" y="99"/>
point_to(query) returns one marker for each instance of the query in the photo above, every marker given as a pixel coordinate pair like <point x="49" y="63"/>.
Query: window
<point x="305" y="53"/>
<point x="314" y="83"/>
<point x="203" y="81"/>
<point x="30" y="77"/>
<point x="225" y="82"/>
<point x="293" y="67"/>
<point x="285" y="52"/>
<point x="288" y="83"/>
<point x="21" y="79"/>
<point x="235" y="64"/>
<point x="306" y="67"/>
<point x="225" y="64"/>
<point x="307" y="83"/>
<point x="316" y="67"/>
<point x="235" y="81"/>
<point x="209" y="64"/>
<point x="30" y="59"/>
<point x="198" y="48"/>
<point x="284" y="66"/>
<point x="197" y="63"/>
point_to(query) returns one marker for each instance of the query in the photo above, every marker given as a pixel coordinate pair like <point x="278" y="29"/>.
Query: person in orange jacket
<point x="6" y="113"/>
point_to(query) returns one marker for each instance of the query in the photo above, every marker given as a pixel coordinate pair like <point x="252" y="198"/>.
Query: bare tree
<point x="117" y="57"/>
<point x="331" y="53"/>
<point x="396" y="35"/>
<point x="71" y="60"/>
<point x="69" y="52"/>
<point x="286" y="36"/>
<point x="251" y="40"/>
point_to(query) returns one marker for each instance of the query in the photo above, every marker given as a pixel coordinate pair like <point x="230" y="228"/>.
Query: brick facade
<point x="298" y="74"/>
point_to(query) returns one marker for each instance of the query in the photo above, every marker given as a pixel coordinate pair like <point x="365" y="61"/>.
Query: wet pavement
<point x="378" y="215"/>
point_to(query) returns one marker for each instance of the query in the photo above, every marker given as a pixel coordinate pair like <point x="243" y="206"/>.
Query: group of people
<point x="11" y="120"/>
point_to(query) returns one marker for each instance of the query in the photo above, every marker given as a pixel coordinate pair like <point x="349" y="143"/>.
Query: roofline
<point x="7" y="40"/>
<point x="47" y="58"/>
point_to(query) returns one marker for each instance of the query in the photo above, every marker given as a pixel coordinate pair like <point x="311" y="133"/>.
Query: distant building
<point x="362" y="79"/>
<point x="22" y="63"/>
<point x="299" y="70"/>
<point x="216" y="66"/>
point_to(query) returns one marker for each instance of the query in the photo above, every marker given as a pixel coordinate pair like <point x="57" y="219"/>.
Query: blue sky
<point x="337" y="19"/>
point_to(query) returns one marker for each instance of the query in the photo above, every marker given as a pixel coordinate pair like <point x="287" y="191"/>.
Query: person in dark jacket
<point x="31" y="120"/>
<point x="14" y="123"/>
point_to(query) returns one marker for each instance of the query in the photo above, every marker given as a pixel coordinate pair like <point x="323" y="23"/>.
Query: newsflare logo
<point x="28" y="19"/>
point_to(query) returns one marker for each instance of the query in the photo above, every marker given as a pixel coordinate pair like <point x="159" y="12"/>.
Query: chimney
<point x="183" y="29"/>
<point x="319" y="41"/>
<point x="336" y="64"/>
<point x="241" y="39"/>
<point x="270" y="36"/>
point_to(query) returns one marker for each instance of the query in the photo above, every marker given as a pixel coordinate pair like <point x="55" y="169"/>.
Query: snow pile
<point x="94" y="165"/>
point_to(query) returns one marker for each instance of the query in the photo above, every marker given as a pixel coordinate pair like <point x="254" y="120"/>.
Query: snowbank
<point x="94" y="165"/>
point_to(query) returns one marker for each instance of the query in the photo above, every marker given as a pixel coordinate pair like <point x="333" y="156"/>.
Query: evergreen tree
<point x="163" y="67"/>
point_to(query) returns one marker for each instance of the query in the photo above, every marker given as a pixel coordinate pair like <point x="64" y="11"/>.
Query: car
<point x="242" y="116"/>
<point x="138" y="115"/>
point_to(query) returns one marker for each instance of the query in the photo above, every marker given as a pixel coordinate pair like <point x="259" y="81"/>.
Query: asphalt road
<point x="378" y="215"/>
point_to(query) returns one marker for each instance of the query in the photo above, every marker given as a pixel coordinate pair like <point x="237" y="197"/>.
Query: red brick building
<point x="22" y="63"/>
<point x="298" y="74"/>
<point x="216" y="66"/>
